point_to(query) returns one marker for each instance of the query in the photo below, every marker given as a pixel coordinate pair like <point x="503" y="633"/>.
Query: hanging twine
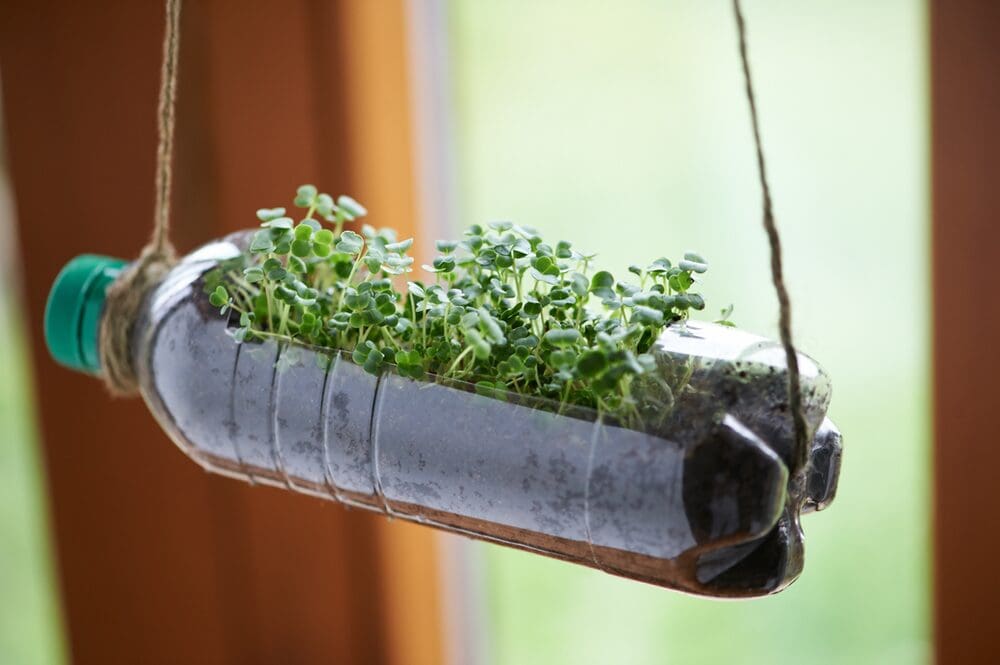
<point x="126" y="295"/>
<point x="777" y="273"/>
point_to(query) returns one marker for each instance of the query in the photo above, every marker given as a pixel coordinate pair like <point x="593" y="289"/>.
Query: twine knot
<point x="121" y="310"/>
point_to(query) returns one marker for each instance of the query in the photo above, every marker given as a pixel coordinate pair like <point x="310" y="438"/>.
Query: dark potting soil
<point x="701" y="500"/>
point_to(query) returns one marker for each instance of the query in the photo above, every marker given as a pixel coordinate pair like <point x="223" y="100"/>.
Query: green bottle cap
<point x="73" y="311"/>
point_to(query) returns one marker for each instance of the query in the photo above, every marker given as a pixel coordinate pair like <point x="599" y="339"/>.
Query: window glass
<point x="623" y="127"/>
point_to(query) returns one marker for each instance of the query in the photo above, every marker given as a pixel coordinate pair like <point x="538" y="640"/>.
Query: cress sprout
<point x="504" y="309"/>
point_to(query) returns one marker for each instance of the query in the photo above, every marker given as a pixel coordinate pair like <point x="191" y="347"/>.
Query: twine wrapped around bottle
<point x="125" y="296"/>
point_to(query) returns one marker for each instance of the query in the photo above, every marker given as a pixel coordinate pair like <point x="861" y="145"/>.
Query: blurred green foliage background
<point x="29" y="614"/>
<point x="30" y="623"/>
<point x="623" y="127"/>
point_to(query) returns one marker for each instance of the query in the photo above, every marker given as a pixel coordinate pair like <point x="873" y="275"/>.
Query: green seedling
<point x="503" y="310"/>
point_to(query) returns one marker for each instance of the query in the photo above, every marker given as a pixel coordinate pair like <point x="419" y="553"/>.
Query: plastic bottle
<point x="702" y="503"/>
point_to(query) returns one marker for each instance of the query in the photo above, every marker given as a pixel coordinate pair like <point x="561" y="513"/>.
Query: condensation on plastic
<point x="702" y="503"/>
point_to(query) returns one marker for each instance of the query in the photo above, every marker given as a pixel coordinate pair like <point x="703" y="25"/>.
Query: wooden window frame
<point x="965" y="110"/>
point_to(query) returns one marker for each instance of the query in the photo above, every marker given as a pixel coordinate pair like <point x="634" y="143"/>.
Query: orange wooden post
<point x="965" y="103"/>
<point x="380" y="149"/>
<point x="158" y="561"/>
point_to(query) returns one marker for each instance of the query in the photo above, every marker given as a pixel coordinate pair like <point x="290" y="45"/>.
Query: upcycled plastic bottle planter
<point x="701" y="502"/>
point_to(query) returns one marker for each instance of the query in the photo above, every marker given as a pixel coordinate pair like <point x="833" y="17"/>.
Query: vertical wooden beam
<point x="303" y="572"/>
<point x="158" y="561"/>
<point x="381" y="152"/>
<point x="965" y="102"/>
<point x="133" y="522"/>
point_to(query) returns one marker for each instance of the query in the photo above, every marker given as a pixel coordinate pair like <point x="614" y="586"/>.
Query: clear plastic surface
<point x="701" y="499"/>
